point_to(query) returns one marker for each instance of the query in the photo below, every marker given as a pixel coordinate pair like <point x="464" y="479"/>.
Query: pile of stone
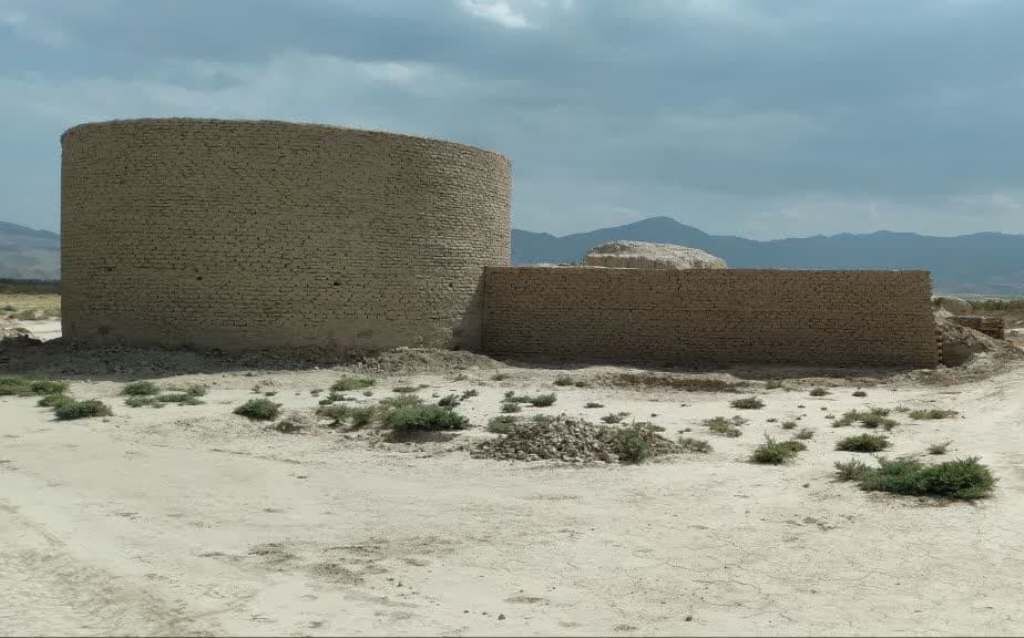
<point x="994" y="327"/>
<point x="648" y="255"/>
<point x="571" y="440"/>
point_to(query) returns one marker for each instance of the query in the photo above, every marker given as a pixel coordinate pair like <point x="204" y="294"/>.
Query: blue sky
<point x="761" y="118"/>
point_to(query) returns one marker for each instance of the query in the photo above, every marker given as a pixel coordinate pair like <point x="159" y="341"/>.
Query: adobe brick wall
<point x="249" y="234"/>
<point x="816" y="318"/>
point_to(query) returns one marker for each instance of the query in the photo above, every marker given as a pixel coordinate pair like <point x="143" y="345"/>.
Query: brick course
<point x="250" y="234"/>
<point x="714" y="317"/>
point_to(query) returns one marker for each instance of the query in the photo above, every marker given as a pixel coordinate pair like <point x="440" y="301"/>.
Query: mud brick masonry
<point x="818" y="318"/>
<point x="242" y="234"/>
<point x="256" y="234"/>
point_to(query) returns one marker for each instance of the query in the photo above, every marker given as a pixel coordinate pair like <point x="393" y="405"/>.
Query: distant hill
<point x="28" y="254"/>
<point x="983" y="263"/>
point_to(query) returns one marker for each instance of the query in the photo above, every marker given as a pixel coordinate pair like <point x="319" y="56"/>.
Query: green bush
<point x="183" y="398"/>
<point x="964" y="479"/>
<point x="725" y="427"/>
<point x="748" y="403"/>
<point x="349" y="383"/>
<point x="689" y="444"/>
<point x="631" y="445"/>
<point x="863" y="443"/>
<point x="338" y="414"/>
<point x="873" y="418"/>
<point x="804" y="434"/>
<point x="509" y="408"/>
<point x="852" y="470"/>
<point x="362" y="416"/>
<point x="932" y="414"/>
<point x="140" y="389"/>
<point x="19" y="386"/>
<point x="773" y="452"/>
<point x="81" y="410"/>
<point x="404" y="389"/>
<point x="449" y="401"/>
<point x="53" y="400"/>
<point x="136" y="401"/>
<point x="502" y="424"/>
<point x="259" y="409"/>
<point x="401" y="401"/>
<point x="468" y="394"/>
<point x="542" y="400"/>
<point x="424" y="418"/>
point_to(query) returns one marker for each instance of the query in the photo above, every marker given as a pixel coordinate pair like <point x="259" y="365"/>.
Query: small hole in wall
<point x="108" y="268"/>
<point x="199" y="278"/>
<point x="103" y="330"/>
<point x="337" y="283"/>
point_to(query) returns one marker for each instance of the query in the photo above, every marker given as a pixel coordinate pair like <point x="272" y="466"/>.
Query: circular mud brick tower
<point x="253" y="234"/>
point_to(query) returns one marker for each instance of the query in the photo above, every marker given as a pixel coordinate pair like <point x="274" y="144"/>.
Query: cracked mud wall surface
<point x="660" y="317"/>
<point x="248" y="234"/>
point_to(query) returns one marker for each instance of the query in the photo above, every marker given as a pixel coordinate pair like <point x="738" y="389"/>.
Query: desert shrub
<point x="725" y="427"/>
<point x="449" y="401"/>
<point x="259" y="409"/>
<point x="965" y="479"/>
<point x="404" y="389"/>
<point x="860" y="394"/>
<point x="401" y="401"/>
<point x="863" y="443"/>
<point x="804" y="434"/>
<point x="614" y="417"/>
<point x="631" y="445"/>
<point x="788" y="425"/>
<point x="538" y="400"/>
<point x="651" y="380"/>
<point x="362" y="416"/>
<point x="593" y="404"/>
<point x="937" y="449"/>
<point x="424" y="418"/>
<point x="502" y="424"/>
<point x="138" y="401"/>
<point x="819" y="392"/>
<point x="349" y="383"/>
<point x="564" y="380"/>
<point x="140" y="389"/>
<point x="337" y="413"/>
<point x="81" y="410"/>
<point x="747" y="403"/>
<point x="53" y="400"/>
<point x="19" y="386"/>
<point x="183" y="398"/>
<point x="690" y="444"/>
<point x="468" y="394"/>
<point x="509" y="408"/>
<point x="852" y="470"/>
<point x="932" y="414"/>
<point x="772" y="384"/>
<point x="872" y="419"/>
<point x="500" y="376"/>
<point x="773" y="452"/>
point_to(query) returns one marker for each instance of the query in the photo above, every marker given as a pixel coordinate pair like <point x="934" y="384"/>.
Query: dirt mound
<point x="417" y="360"/>
<point x="576" y="441"/>
<point x="641" y="254"/>
<point x="961" y="344"/>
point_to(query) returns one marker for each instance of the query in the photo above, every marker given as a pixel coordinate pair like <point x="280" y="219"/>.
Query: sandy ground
<point x="191" y="520"/>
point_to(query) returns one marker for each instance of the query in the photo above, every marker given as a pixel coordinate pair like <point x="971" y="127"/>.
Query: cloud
<point x="497" y="11"/>
<point x="738" y="116"/>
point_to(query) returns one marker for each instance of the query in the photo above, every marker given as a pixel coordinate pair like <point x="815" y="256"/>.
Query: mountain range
<point x="982" y="263"/>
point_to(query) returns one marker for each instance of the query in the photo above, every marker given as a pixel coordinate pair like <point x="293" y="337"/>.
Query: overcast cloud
<point x="758" y="118"/>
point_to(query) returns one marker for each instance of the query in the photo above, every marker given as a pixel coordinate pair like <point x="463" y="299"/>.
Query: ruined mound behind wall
<point x="243" y="234"/>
